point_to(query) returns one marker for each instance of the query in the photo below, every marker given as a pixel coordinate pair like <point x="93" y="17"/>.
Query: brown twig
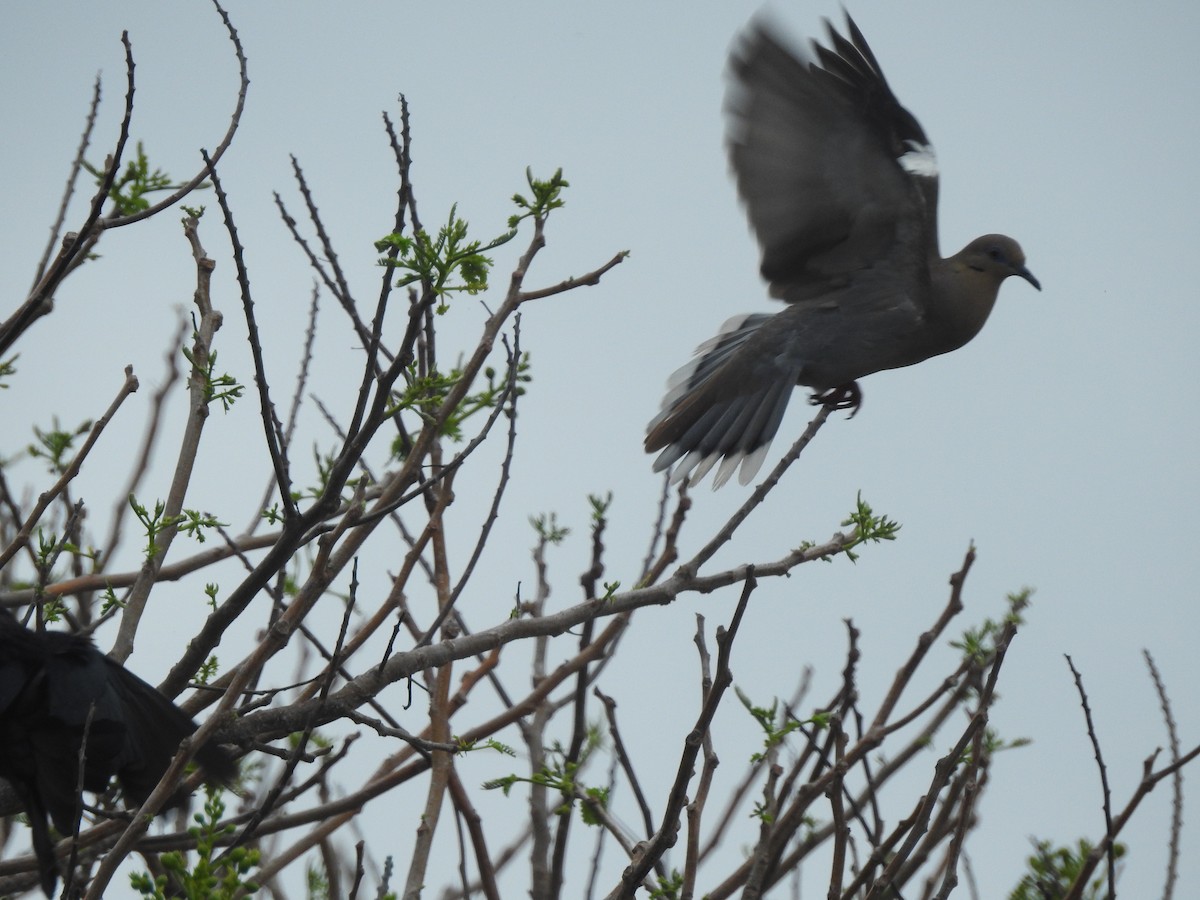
<point x="1105" y="791"/>
<point x="1176" y="779"/>
<point x="75" y="245"/>
<point x="1150" y="778"/>
<point x="128" y="386"/>
<point x="142" y="464"/>
<point x="199" y="396"/>
<point x="665" y="837"/>
<point x="234" y="121"/>
<point x="695" y="809"/>
<point x="757" y="496"/>
<point x="85" y="141"/>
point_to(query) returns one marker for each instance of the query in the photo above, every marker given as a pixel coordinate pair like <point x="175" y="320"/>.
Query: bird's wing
<point x="156" y="727"/>
<point x="836" y="175"/>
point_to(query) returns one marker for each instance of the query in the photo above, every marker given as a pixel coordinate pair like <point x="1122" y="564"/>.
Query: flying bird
<point x="50" y="684"/>
<point x="840" y="186"/>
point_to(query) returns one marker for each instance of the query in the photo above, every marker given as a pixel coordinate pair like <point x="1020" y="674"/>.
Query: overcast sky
<point x="1062" y="440"/>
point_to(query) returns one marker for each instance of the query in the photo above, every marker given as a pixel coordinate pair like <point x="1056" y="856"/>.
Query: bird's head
<point x="997" y="256"/>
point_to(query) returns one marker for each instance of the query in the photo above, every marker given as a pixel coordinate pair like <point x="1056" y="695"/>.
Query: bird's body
<point x="54" y="688"/>
<point x="840" y="186"/>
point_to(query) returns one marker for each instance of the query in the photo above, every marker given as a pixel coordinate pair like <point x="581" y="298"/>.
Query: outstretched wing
<point x="836" y="175"/>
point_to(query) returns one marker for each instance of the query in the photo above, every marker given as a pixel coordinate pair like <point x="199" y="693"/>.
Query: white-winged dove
<point x="840" y="186"/>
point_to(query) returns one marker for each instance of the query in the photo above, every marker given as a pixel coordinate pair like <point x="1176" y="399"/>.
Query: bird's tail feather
<point x="709" y="417"/>
<point x="43" y="845"/>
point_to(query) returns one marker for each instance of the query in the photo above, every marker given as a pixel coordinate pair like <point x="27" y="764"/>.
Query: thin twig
<point x="272" y="429"/>
<point x="199" y="397"/>
<point x="85" y="141"/>
<point x="759" y="494"/>
<point x="1105" y="791"/>
<point x="677" y="797"/>
<point x="1176" y="779"/>
<point x="128" y="386"/>
<point x="234" y="121"/>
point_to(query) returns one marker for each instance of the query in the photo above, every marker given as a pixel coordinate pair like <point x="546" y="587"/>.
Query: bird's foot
<point x="844" y="396"/>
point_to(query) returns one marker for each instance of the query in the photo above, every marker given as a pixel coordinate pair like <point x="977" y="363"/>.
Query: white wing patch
<point x="919" y="160"/>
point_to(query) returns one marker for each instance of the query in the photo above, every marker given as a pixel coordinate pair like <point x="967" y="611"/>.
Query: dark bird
<point x="840" y="186"/>
<point x="49" y="684"/>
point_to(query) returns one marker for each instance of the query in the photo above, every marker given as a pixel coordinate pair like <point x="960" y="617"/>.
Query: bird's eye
<point x="996" y="254"/>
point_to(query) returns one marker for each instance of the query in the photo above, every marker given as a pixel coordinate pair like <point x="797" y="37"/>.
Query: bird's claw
<point x="844" y="396"/>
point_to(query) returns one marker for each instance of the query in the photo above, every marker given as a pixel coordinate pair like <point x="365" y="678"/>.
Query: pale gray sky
<point x="1061" y="441"/>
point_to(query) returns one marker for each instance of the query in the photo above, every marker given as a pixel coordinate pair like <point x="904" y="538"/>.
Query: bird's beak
<point x="1027" y="275"/>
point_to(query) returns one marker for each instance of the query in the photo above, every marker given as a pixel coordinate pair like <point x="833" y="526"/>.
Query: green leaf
<point x="868" y="527"/>
<point x="544" y="196"/>
<point x="446" y="264"/>
<point x="131" y="189"/>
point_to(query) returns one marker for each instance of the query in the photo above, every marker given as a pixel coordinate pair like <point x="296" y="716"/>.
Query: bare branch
<point x="1176" y="779"/>
<point x="128" y="386"/>
<point x="1105" y="791"/>
<point x="677" y="798"/>
<point x="85" y="141"/>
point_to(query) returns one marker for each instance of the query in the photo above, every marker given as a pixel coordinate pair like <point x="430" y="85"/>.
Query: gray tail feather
<point x="705" y="421"/>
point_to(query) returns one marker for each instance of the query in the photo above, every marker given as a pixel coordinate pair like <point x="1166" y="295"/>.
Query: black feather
<point x="50" y="683"/>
